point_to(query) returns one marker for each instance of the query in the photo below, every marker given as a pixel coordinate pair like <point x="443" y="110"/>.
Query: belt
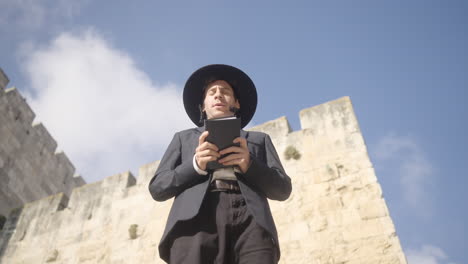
<point x="224" y="185"/>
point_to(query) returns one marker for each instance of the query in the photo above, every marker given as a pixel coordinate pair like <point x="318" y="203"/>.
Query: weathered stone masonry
<point x="29" y="167"/>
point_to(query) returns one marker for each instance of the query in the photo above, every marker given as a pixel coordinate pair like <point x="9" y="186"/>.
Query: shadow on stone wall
<point x="2" y="221"/>
<point x="8" y="230"/>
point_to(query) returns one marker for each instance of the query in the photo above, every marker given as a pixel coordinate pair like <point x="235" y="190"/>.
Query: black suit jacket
<point x="176" y="177"/>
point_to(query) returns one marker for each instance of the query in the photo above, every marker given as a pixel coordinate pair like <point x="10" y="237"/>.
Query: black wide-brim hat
<point x="243" y="86"/>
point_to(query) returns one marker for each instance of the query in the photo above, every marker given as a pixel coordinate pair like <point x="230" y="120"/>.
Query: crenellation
<point x="119" y="181"/>
<point x="334" y="122"/>
<point x="277" y="128"/>
<point x="3" y="80"/>
<point x="65" y="172"/>
<point x="80" y="195"/>
<point x="78" y="180"/>
<point x="19" y="110"/>
<point x="41" y="135"/>
<point x="29" y="167"/>
<point x="146" y="173"/>
<point x="64" y="163"/>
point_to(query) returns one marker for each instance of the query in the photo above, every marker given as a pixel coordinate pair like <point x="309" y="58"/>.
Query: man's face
<point x="219" y="97"/>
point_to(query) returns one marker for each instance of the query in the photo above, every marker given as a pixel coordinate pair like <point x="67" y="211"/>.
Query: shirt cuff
<point x="197" y="169"/>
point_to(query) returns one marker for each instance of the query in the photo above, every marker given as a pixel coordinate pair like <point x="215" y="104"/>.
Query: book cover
<point x="222" y="132"/>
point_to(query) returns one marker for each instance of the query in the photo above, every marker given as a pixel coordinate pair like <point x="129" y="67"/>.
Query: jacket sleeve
<point x="173" y="176"/>
<point x="269" y="177"/>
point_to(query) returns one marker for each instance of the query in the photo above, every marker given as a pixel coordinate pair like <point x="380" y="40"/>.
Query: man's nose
<point x="218" y="95"/>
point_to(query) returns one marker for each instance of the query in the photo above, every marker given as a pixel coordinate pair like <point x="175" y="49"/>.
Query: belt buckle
<point x="221" y="185"/>
<point x="230" y="186"/>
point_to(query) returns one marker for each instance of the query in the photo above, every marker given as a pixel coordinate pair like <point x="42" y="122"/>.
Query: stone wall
<point x="29" y="167"/>
<point x="336" y="213"/>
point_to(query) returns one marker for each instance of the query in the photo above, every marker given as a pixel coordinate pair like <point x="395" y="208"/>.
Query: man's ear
<point x="202" y="114"/>
<point x="237" y="104"/>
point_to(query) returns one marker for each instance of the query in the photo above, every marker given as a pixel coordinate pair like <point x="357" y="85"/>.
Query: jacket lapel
<point x="200" y="129"/>
<point x="244" y="133"/>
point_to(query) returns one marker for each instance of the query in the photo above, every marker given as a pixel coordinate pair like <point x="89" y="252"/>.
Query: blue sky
<point x="106" y="79"/>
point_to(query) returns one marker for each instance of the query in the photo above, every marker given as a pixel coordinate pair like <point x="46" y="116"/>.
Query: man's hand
<point x="205" y="152"/>
<point x="240" y="155"/>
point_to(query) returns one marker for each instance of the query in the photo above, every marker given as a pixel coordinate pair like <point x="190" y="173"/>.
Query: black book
<point x="222" y="131"/>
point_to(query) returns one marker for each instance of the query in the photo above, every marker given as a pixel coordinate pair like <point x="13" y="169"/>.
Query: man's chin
<point x="220" y="114"/>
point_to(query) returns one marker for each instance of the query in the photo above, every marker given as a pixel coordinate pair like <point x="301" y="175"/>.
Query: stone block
<point x="326" y="173"/>
<point x="326" y="204"/>
<point x="298" y="231"/>
<point x="348" y="183"/>
<point x="119" y="181"/>
<point x="379" y="259"/>
<point x="368" y="176"/>
<point x="355" y="198"/>
<point x="368" y="228"/>
<point x="323" y="189"/>
<point x="334" y="219"/>
<point x="146" y="173"/>
<point x="318" y="223"/>
<point x="276" y="128"/>
<point x="350" y="216"/>
<point x="387" y="225"/>
<point x="373" y="209"/>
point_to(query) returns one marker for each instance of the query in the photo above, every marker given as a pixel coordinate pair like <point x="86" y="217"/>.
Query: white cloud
<point x="105" y="113"/>
<point x="415" y="171"/>
<point x="428" y="254"/>
<point x="33" y="14"/>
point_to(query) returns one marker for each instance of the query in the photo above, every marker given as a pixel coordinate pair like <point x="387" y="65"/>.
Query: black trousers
<point x="223" y="232"/>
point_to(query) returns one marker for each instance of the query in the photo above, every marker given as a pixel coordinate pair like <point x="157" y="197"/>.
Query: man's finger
<point x="233" y="162"/>
<point x="231" y="157"/>
<point x="207" y="158"/>
<point x="207" y="145"/>
<point x="232" y="149"/>
<point x="202" y="137"/>
<point x="209" y="152"/>
<point x="242" y="141"/>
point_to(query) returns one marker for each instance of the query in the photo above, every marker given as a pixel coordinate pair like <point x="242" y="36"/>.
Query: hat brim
<point x="243" y="86"/>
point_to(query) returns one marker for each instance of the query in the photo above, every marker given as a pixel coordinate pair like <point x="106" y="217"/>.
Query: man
<point x="220" y="216"/>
